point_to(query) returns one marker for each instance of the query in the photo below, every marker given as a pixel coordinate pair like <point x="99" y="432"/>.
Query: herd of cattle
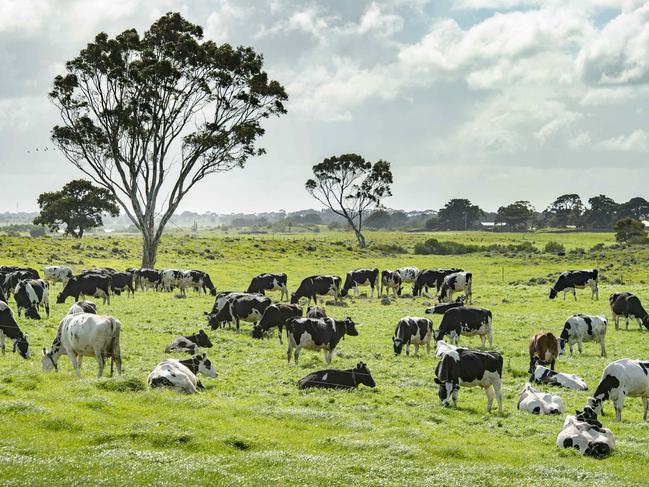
<point x="83" y="332"/>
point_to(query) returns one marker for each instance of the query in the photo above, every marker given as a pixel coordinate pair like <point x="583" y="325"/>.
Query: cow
<point x="441" y="347"/>
<point x="85" y="334"/>
<point x="10" y="329"/>
<point x="429" y="278"/>
<point x="543" y="375"/>
<point x="585" y="433"/>
<point x="170" y="279"/>
<point x="468" y="368"/>
<point x="466" y="321"/>
<point x="315" y="312"/>
<point x="3" y="298"/>
<point x="269" y="282"/>
<point x="338" y="379"/>
<point x="628" y="305"/>
<point x="314" y="286"/>
<point x="30" y="294"/>
<point x="198" y="280"/>
<point x="83" y="307"/>
<point x="408" y="274"/>
<point x="89" y="285"/>
<point x="121" y="281"/>
<point x="544" y="349"/>
<point x="57" y="273"/>
<point x="412" y="330"/>
<point x="180" y="375"/>
<point x="536" y="402"/>
<point x="276" y="315"/>
<point x="442" y="308"/>
<point x="360" y="277"/>
<point x="571" y="280"/>
<point x="147" y="278"/>
<point x="391" y="280"/>
<point x="190" y="344"/>
<point x="12" y="279"/>
<point x="222" y="298"/>
<point x="104" y="271"/>
<point x="248" y="308"/>
<point x="456" y="282"/>
<point x="622" y="378"/>
<point x="317" y="334"/>
<point x="583" y="328"/>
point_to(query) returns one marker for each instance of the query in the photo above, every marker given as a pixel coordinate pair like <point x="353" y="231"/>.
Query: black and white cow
<point x="622" y="378"/>
<point x="628" y="305"/>
<point x="89" y="285"/>
<point x="180" y="375"/>
<point x="10" y="329"/>
<point x="30" y="294"/>
<point x="12" y="279"/>
<point x="412" y="330"/>
<point x="121" y="281"/>
<point x="408" y="274"/>
<point x="583" y="328"/>
<point x="429" y="278"/>
<point x="249" y="308"/>
<point x="190" y="344"/>
<point x="171" y="278"/>
<point x="314" y="286"/>
<point x="338" y="379"/>
<point x="148" y="279"/>
<point x="83" y="307"/>
<point x="269" y="282"/>
<point x="360" y="277"/>
<point x="467" y="368"/>
<point x="536" y="402"/>
<point x="466" y="321"/>
<point x="57" y="273"/>
<point x="391" y="280"/>
<point x="276" y="315"/>
<point x="543" y="375"/>
<point x="315" y="312"/>
<point x="456" y="282"/>
<point x="571" y="280"/>
<point x="317" y="334"/>
<point x="585" y="433"/>
<point x="223" y="297"/>
<point x="442" y="308"/>
<point x="198" y="280"/>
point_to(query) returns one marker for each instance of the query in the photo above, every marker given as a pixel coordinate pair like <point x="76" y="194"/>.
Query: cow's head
<point x="589" y="416"/>
<point x="553" y="293"/>
<point x="350" y="327"/>
<point x="22" y="346"/>
<point x="60" y="298"/>
<point x="213" y="320"/>
<point x="205" y="367"/>
<point x="203" y="340"/>
<point x="49" y="360"/>
<point x="363" y="376"/>
<point x="257" y="332"/>
<point x="596" y="404"/>
<point x="438" y="335"/>
<point x="445" y="392"/>
<point x="397" y="345"/>
<point x="32" y="313"/>
<point x="295" y="299"/>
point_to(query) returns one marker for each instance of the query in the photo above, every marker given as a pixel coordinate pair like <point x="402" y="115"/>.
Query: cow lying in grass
<point x="586" y="434"/>
<point x="338" y="379"/>
<point x="536" y="402"/>
<point x="180" y="375"/>
<point x="190" y="344"/>
<point x="543" y="375"/>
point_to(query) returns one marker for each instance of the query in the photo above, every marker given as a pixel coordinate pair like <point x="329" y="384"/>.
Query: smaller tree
<point x="637" y="208"/>
<point x="77" y="207"/>
<point x="602" y="212"/>
<point x="458" y="214"/>
<point x="516" y="216"/>
<point x="349" y="185"/>
<point x="565" y="210"/>
<point x="629" y="229"/>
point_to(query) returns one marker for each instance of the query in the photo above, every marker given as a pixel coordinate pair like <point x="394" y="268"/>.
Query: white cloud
<point x="221" y="20"/>
<point x="635" y="141"/>
<point x="376" y="20"/>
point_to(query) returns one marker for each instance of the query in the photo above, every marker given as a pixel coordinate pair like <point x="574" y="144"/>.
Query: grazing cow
<point x="121" y="281"/>
<point x="57" y="273"/>
<point x="315" y="312"/>
<point x="412" y="330"/>
<point x="10" y="329"/>
<point x="466" y="321"/>
<point x="269" y="282"/>
<point x="276" y="315"/>
<point x="30" y="294"/>
<point x="170" y="278"/>
<point x="391" y="280"/>
<point x="585" y="433"/>
<point x="442" y="308"/>
<point x="408" y="274"/>
<point x="314" y="286"/>
<point x="86" y="334"/>
<point x="222" y="298"/>
<point x="456" y="282"/>
<point x="360" y="277"/>
<point x="249" y="307"/>
<point x="190" y="344"/>
<point x="12" y="279"/>
<point x="198" y="280"/>
<point x="148" y="279"/>
<point x="468" y="368"/>
<point x="429" y="278"/>
<point x="544" y="350"/>
<point x="622" y="378"/>
<point x="317" y="334"/>
<point x="83" y="307"/>
<point x="571" y="280"/>
<point x="180" y="375"/>
<point x="628" y="305"/>
<point x="89" y="285"/>
<point x="543" y="375"/>
<point x="583" y="328"/>
<point x="536" y="402"/>
<point x="338" y="379"/>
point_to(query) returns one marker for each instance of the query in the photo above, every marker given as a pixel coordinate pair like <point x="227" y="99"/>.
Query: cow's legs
<point x="602" y="344"/>
<point x="288" y="351"/>
<point x="416" y="349"/>
<point x="499" y="398"/>
<point x="236" y="322"/>
<point x="619" y="405"/>
<point x="328" y="356"/>
<point x="639" y="323"/>
<point x="75" y="364"/>
<point x="645" y="404"/>
<point x="626" y="321"/>
<point x="2" y="342"/>
<point x="489" y="391"/>
<point x="616" y="319"/>
<point x="579" y="345"/>
<point x="80" y="360"/>
<point x="454" y="395"/>
<point x="296" y="354"/>
<point x="101" y="363"/>
<point x="491" y="338"/>
<point x="428" y="347"/>
<point x="574" y="293"/>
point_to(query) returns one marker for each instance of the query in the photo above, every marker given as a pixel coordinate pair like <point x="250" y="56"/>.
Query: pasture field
<point x="253" y="427"/>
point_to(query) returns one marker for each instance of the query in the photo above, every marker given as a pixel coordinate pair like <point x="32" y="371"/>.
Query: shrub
<point x="38" y="232"/>
<point x="390" y="248"/>
<point x="554" y="248"/>
<point x="630" y="228"/>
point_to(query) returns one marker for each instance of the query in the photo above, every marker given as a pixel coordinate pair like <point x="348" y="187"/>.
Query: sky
<point x="491" y="100"/>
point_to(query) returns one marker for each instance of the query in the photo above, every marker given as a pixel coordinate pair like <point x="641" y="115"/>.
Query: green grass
<point x="253" y="427"/>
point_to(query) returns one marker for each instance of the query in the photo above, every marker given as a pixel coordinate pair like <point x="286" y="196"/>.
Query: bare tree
<point x="349" y="185"/>
<point x="148" y="117"/>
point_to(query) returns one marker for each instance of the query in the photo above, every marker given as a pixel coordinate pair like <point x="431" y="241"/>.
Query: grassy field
<point x="253" y="427"/>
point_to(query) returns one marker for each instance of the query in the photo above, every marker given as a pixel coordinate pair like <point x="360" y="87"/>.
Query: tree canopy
<point x="76" y="208"/>
<point x="516" y="215"/>
<point x="566" y="210"/>
<point x="148" y="117"/>
<point x="458" y="214"/>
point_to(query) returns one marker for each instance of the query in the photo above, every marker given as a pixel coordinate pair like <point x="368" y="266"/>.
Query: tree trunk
<point x="361" y="239"/>
<point x="149" y="251"/>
